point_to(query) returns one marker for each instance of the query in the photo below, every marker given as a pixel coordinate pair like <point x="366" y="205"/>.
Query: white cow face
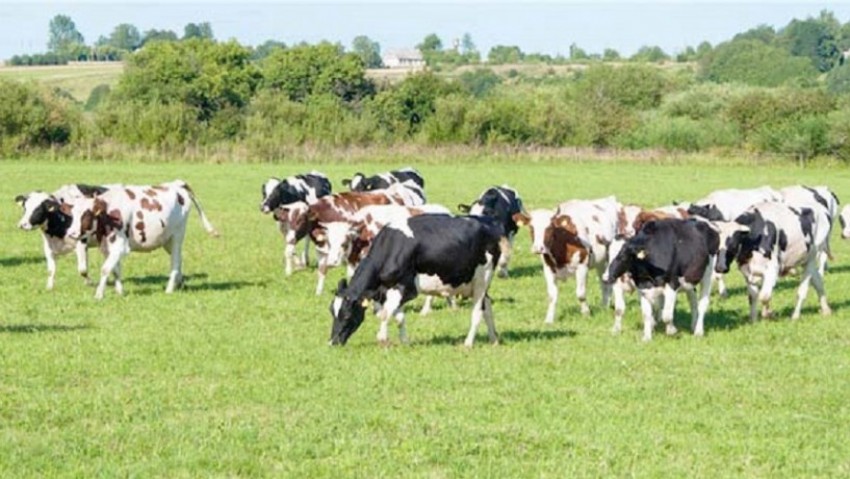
<point x="267" y="189"/>
<point x="538" y="221"/>
<point x="37" y="206"/>
<point x="731" y="236"/>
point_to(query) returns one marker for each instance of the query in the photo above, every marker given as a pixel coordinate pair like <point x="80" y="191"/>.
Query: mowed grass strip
<point x="232" y="375"/>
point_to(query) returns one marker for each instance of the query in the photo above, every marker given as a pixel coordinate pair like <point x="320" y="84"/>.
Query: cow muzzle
<point x="264" y="208"/>
<point x="538" y="249"/>
<point x="24" y="225"/>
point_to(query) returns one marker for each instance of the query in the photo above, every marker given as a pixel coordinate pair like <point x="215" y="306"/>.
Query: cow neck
<point x="57" y="224"/>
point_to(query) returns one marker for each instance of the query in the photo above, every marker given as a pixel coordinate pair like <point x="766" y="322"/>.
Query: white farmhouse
<point x="406" y="58"/>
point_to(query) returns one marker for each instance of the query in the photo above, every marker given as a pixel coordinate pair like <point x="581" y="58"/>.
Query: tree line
<point x="789" y="98"/>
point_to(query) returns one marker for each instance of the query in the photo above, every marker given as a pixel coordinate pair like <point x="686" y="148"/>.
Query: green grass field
<point x="232" y="376"/>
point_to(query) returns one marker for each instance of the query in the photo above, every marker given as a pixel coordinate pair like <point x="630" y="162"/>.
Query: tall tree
<point x="369" y="51"/>
<point x="125" y="37"/>
<point x="64" y="36"/>
<point x="198" y="30"/>
<point x="159" y="35"/>
<point x="467" y="46"/>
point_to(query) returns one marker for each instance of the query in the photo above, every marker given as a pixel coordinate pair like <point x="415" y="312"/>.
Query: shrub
<point x="97" y="96"/>
<point x="680" y="134"/>
<point x="633" y="86"/>
<point x="32" y="116"/>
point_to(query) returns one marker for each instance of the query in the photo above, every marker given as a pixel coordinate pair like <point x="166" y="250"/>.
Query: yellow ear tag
<point x="366" y="302"/>
<point x="641" y="254"/>
<point x="51" y="208"/>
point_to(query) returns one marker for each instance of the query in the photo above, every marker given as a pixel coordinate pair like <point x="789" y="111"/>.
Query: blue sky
<point x="535" y="26"/>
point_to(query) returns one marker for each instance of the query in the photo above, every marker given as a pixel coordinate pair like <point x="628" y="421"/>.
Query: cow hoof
<point x="503" y="273"/>
<point x="616" y="330"/>
<point x="826" y="311"/>
<point x="384" y="343"/>
<point x="671" y="330"/>
<point x="699" y="333"/>
<point x="646" y="339"/>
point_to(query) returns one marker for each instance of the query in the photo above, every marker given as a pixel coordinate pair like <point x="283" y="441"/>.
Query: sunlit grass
<point x="232" y="375"/>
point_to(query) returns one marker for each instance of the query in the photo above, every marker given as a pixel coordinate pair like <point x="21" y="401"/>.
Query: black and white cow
<point x="288" y="199"/>
<point x="770" y="240"/>
<point x="816" y="198"/>
<point x="664" y="257"/>
<point x="137" y="218"/>
<point x="52" y="214"/>
<point x="426" y="253"/>
<point x="500" y="203"/>
<point x="726" y="205"/>
<point x="361" y="182"/>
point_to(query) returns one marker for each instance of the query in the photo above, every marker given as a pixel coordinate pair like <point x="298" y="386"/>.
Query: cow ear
<point x="649" y="227"/>
<point x="346" y="182"/>
<point x="463" y="208"/>
<point x="20" y="199"/>
<point x="521" y="219"/>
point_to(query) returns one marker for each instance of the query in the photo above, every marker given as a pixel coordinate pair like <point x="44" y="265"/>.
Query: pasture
<point x="78" y="79"/>
<point x="232" y="376"/>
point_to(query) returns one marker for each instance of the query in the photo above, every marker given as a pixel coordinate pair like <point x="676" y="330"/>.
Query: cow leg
<point x="81" y="249"/>
<point x="619" y="306"/>
<point x="175" y="278"/>
<point x="721" y="286"/>
<point x="322" y="272"/>
<point x="113" y="259"/>
<point x="51" y="264"/>
<point x="704" y="298"/>
<point x="392" y="303"/>
<point x="402" y="327"/>
<point x="305" y="256"/>
<point x="288" y="255"/>
<point x="426" y="307"/>
<point x="488" y="318"/>
<point x="691" y="293"/>
<point x="607" y="289"/>
<point x="552" y="291"/>
<point x="817" y="282"/>
<point x="669" y="309"/>
<point x="506" y="245"/>
<point x="811" y="273"/>
<point x="581" y="288"/>
<point x="646" y="308"/>
<point x="771" y="276"/>
<point x="481" y="282"/>
<point x="116" y="273"/>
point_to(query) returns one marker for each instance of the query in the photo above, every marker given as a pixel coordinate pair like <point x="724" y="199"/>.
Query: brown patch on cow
<point x="130" y="194"/>
<point x="160" y="188"/>
<point x="180" y="199"/>
<point x="141" y="227"/>
<point x="621" y="221"/>
<point x="595" y="218"/>
<point x="113" y="237"/>
<point x="683" y="213"/>
<point x="87" y="221"/>
<point x="65" y="208"/>
<point x="601" y="240"/>
<point x="150" y="192"/>
<point x="645" y="217"/>
<point x="162" y="223"/>
<point x="139" y="215"/>
<point x="151" y="205"/>
<point x="563" y="243"/>
<point x="415" y="211"/>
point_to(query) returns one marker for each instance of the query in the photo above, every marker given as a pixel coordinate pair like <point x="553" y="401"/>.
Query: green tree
<point x="502" y="54"/>
<point x="762" y="33"/>
<point x="369" y="51"/>
<point x="306" y="70"/>
<point x="577" y="53"/>
<point x="266" y="48"/>
<point x="431" y="48"/>
<point x="198" y="30"/>
<point x="652" y="54"/>
<point x="467" y="46"/>
<point x="754" y="63"/>
<point x="814" y="39"/>
<point x="125" y="37"/>
<point x="154" y="35"/>
<point x="610" y="55"/>
<point x="64" y="39"/>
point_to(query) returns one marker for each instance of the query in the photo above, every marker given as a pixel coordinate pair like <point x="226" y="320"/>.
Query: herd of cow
<point x="396" y="245"/>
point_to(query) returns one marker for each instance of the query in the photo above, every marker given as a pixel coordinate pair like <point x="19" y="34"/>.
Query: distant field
<point x="78" y="79"/>
<point x="232" y="377"/>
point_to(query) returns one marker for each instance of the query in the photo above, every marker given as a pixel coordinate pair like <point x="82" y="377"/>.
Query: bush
<point x="97" y="96"/>
<point x="32" y="116"/>
<point x="799" y="138"/>
<point x="157" y="125"/>
<point x="633" y="86"/>
<point x="401" y="109"/>
<point x="680" y="134"/>
<point x="754" y="63"/>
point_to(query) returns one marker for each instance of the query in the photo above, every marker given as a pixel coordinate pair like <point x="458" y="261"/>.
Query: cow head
<point x="621" y="262"/>
<point x="43" y="210"/>
<point x="613" y="251"/>
<point x="283" y="193"/>
<point x="338" y="237"/>
<point x="732" y="236"/>
<point x="542" y="225"/>
<point x="355" y="183"/>
<point x="754" y="239"/>
<point x="707" y="211"/>
<point x="267" y="189"/>
<point x="348" y="312"/>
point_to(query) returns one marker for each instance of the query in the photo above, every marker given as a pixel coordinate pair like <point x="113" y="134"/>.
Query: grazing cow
<point x="632" y="219"/>
<point x="500" y="203"/>
<point x="664" y="257"/>
<point x="331" y="217"/>
<point x="423" y="254"/>
<point x="770" y="240"/>
<point x="137" y="218"/>
<point x="52" y="213"/>
<point x="818" y="197"/>
<point x="570" y="241"/>
<point x="844" y="219"/>
<point x="288" y="199"/>
<point x="381" y="181"/>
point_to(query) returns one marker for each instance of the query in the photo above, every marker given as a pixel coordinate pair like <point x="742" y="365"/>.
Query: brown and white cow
<point x="570" y="241"/>
<point x="138" y="218"/>
<point x="51" y="213"/>
<point x="331" y="217"/>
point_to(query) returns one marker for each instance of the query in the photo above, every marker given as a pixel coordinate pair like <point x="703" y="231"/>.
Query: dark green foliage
<point x="154" y="35"/>
<point x="755" y="63"/>
<point x="403" y="108"/>
<point x="763" y="33"/>
<point x="64" y="38"/>
<point x="501" y="54"/>
<point x="838" y="80"/>
<point x="369" y="51"/>
<point x="651" y="54"/>
<point x="322" y="69"/>
<point x="49" y="58"/>
<point x="31" y="117"/>
<point x="198" y="30"/>
<point x="755" y="109"/>
<point x="812" y="39"/>
<point x="125" y="37"/>
<point x="480" y="81"/>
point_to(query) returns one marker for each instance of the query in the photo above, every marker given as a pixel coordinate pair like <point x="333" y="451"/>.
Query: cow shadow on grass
<point x="522" y="336"/>
<point x="523" y="271"/>
<point x="40" y="328"/>
<point x="151" y="285"/>
<point x="14" y="261"/>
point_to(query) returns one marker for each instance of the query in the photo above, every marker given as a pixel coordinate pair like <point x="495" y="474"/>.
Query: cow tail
<point x="207" y="225"/>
